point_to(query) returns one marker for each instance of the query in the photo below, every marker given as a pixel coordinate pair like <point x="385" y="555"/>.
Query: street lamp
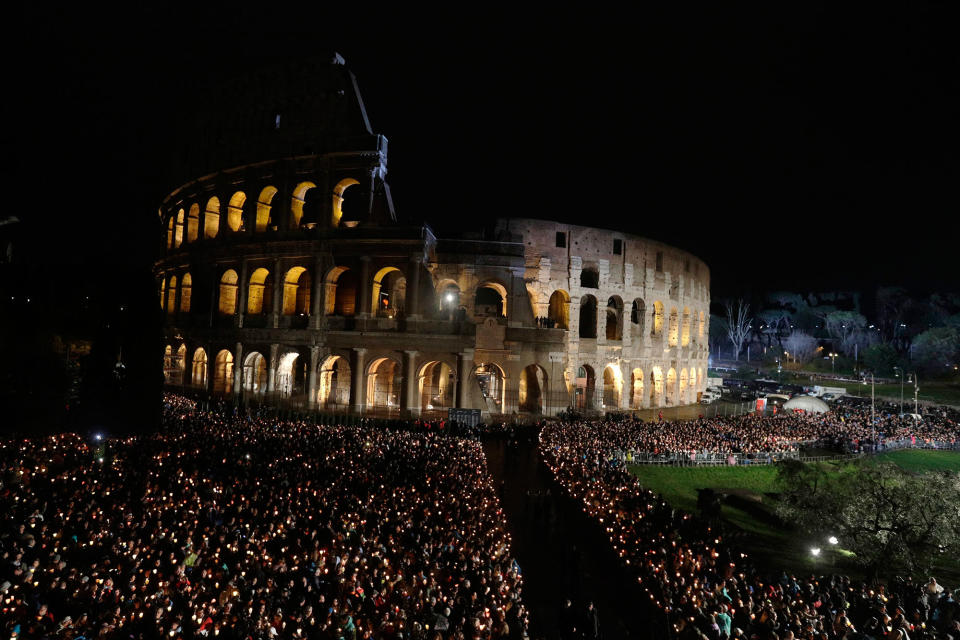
<point x="900" y="375"/>
<point x="833" y="362"/>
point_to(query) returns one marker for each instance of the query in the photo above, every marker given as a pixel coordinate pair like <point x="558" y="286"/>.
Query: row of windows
<point x="189" y="225"/>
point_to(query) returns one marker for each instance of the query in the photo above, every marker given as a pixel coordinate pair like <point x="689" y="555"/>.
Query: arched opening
<point x="260" y="292"/>
<point x="636" y="389"/>
<point x="172" y="295"/>
<point x="683" y="386"/>
<point x="296" y="292"/>
<point x="163" y="293"/>
<point x="255" y="373"/>
<point x="223" y="372"/>
<point x="228" y="293"/>
<point x="533" y="389"/>
<point x="168" y="368"/>
<point x="491" y="380"/>
<point x="198" y="370"/>
<point x="449" y="298"/>
<point x="614" y="328"/>
<point x="170" y="225"/>
<point x="585" y="386"/>
<point x="291" y="373"/>
<point x="339" y="200"/>
<point x="590" y="278"/>
<point x="612" y="386"/>
<point x="436" y="384"/>
<point x="264" y="204"/>
<point x="656" y="389"/>
<point x="296" y="203"/>
<point x="193" y="222"/>
<point x="674" y="330"/>
<point x="341" y="292"/>
<point x="588" y="317"/>
<point x="178" y="231"/>
<point x="671" y="387"/>
<point x="490" y="300"/>
<point x="637" y="313"/>
<point x="700" y="330"/>
<point x="186" y="290"/>
<point x="235" y="211"/>
<point x="559" y="309"/>
<point x="685" y="331"/>
<point x="383" y="384"/>
<point x="657" y="329"/>
<point x="211" y="218"/>
<point x="389" y="292"/>
<point x="700" y="378"/>
<point x="334" y="383"/>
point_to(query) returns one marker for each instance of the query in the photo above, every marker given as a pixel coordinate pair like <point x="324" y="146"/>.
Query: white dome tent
<point x="806" y="404"/>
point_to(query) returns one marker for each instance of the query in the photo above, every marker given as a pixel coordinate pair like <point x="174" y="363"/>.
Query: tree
<point x="937" y="348"/>
<point x="843" y="327"/>
<point x="800" y="345"/>
<point x="888" y="517"/>
<point x="880" y="358"/>
<point x="738" y="325"/>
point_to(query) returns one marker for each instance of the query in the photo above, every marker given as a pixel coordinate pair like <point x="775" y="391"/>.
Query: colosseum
<point x="288" y="279"/>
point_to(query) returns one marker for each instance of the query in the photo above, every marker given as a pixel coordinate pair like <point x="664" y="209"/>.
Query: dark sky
<point x="791" y="149"/>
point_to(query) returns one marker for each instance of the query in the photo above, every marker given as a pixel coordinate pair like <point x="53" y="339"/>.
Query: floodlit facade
<point x="292" y="281"/>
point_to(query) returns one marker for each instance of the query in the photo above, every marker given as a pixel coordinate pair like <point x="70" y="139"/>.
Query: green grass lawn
<point x="772" y="544"/>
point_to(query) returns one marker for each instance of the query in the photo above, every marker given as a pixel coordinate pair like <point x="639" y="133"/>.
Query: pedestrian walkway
<point x="562" y="554"/>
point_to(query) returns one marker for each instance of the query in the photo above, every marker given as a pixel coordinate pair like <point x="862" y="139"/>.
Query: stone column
<point x="272" y="368"/>
<point x="277" y="294"/>
<point x="316" y="294"/>
<point x="211" y="363"/>
<point x="177" y="298"/>
<point x="365" y="288"/>
<point x="243" y="288"/>
<point x="412" y="302"/>
<point x="356" y="379"/>
<point x="312" y="377"/>
<point x="464" y="365"/>
<point x="238" y="370"/>
<point x="411" y="403"/>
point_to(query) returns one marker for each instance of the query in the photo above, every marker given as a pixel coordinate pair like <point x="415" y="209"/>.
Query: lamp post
<point x="900" y="375"/>
<point x="916" y="390"/>
<point x="833" y="362"/>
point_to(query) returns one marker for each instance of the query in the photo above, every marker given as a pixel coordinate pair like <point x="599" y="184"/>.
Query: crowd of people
<point x="698" y="584"/>
<point x="234" y="526"/>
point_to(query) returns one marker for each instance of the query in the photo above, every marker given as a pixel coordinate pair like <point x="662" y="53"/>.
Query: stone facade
<point x="291" y="281"/>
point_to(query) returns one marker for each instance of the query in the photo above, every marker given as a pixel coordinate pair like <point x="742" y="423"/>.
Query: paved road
<point x="562" y="554"/>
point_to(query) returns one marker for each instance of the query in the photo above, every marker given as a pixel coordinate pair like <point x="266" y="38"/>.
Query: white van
<point x="709" y="396"/>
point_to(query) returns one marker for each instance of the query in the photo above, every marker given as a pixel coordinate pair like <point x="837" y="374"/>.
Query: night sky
<point x="801" y="150"/>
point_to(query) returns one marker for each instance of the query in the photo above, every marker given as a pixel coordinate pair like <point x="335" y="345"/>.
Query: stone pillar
<point x="211" y="363"/>
<point x="272" y="368"/>
<point x="411" y="401"/>
<point x="356" y="379"/>
<point x="464" y="365"/>
<point x="365" y="288"/>
<point x="316" y="294"/>
<point x="412" y="302"/>
<point x="238" y="370"/>
<point x="277" y="294"/>
<point x="312" y="377"/>
<point x="177" y="298"/>
<point x="243" y="288"/>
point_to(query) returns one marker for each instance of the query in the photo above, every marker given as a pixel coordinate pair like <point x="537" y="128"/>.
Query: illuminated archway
<point x="490" y="300"/>
<point x="193" y="223"/>
<point x="334" y="384"/>
<point x="172" y="295"/>
<point x="263" y="208"/>
<point x="296" y="203"/>
<point x="291" y="374"/>
<point x="656" y="389"/>
<point x="186" y="291"/>
<point x="168" y="368"/>
<point x="584" y="388"/>
<point x="339" y="194"/>
<point x="170" y="225"/>
<point x="255" y="373"/>
<point x="533" y="389"/>
<point x="211" y="218"/>
<point x="436" y="385"/>
<point x="260" y="292"/>
<point x="341" y="291"/>
<point x="559" y="309"/>
<point x="588" y="317"/>
<point x="228" y="293"/>
<point x="636" y="388"/>
<point x="683" y="387"/>
<point x="383" y="384"/>
<point x="685" y="328"/>
<point x="657" y="329"/>
<point x="612" y="386"/>
<point x="296" y="292"/>
<point x="163" y="293"/>
<point x="198" y="374"/>
<point x="671" y="398"/>
<point x="389" y="291"/>
<point x="491" y="378"/>
<point x="448" y="295"/>
<point x="235" y="211"/>
<point x="223" y="372"/>
<point x="700" y="330"/>
<point x="178" y="230"/>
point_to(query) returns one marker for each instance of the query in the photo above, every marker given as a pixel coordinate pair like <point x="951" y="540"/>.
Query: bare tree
<point x="801" y="345"/>
<point x="738" y="325"/>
